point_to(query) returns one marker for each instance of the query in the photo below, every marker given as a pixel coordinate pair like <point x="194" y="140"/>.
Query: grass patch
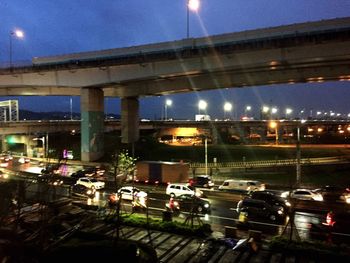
<point x="139" y="220"/>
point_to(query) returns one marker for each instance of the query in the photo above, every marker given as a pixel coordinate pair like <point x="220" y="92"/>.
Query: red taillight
<point x="329" y="219"/>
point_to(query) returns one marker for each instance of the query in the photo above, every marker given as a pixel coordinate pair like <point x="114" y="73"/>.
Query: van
<point x="242" y="185"/>
<point x="175" y="190"/>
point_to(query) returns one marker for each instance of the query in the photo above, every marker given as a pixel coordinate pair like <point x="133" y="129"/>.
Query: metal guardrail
<point x="271" y="163"/>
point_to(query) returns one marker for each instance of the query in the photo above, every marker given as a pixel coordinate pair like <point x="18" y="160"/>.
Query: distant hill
<point x="54" y="115"/>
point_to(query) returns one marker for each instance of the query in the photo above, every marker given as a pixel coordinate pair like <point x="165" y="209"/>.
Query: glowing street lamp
<point x="202" y="105"/>
<point x="227" y="108"/>
<point x="264" y="112"/>
<point x="168" y="103"/>
<point x="288" y="112"/>
<point x="265" y="109"/>
<point x="273" y="125"/>
<point x="192" y="5"/>
<point x="18" y="34"/>
<point x="247" y="109"/>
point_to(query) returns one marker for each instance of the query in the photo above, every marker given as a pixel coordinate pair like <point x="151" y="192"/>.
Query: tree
<point x="124" y="166"/>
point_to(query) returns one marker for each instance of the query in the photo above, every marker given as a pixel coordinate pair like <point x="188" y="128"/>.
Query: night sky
<point x="55" y="27"/>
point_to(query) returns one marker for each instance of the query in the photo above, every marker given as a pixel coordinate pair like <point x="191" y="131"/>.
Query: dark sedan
<point x="271" y="198"/>
<point x="83" y="191"/>
<point x="188" y="203"/>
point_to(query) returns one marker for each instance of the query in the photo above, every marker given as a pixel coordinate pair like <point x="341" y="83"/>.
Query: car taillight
<point x="329" y="219"/>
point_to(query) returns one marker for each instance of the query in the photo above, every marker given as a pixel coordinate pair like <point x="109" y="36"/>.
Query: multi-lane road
<point x="223" y="205"/>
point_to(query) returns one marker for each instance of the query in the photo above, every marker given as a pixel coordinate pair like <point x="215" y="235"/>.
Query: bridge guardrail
<point x="271" y="163"/>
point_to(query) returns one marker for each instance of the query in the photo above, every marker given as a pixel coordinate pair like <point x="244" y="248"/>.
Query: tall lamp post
<point x="247" y="110"/>
<point x="18" y="34"/>
<point x="168" y="103"/>
<point x="274" y="126"/>
<point x="192" y="5"/>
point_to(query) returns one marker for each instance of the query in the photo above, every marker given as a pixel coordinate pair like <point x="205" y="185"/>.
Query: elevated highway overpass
<point x="23" y="132"/>
<point x="298" y="53"/>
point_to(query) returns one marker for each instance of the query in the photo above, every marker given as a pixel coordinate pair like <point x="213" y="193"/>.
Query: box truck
<point x="162" y="172"/>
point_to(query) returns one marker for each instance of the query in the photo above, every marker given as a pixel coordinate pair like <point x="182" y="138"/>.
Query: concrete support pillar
<point x="214" y="136"/>
<point x="263" y="133"/>
<point x="92" y="124"/>
<point x="130" y="119"/>
<point x="4" y="146"/>
<point x="279" y="134"/>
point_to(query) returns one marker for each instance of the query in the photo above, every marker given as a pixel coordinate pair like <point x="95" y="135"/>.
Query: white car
<point x="127" y="192"/>
<point x="303" y="194"/>
<point x="175" y="190"/>
<point x="91" y="183"/>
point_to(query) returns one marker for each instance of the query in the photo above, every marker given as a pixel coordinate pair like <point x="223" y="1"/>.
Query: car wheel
<point x="273" y="217"/>
<point x="200" y="209"/>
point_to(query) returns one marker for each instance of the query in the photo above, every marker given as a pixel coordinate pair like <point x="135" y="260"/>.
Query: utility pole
<point x="298" y="168"/>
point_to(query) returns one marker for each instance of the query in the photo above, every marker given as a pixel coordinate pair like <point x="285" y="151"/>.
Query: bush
<point x="200" y="230"/>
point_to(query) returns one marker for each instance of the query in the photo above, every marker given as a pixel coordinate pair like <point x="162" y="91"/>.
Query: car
<point x="6" y="157"/>
<point x="303" y="194"/>
<point x="334" y="193"/>
<point x="242" y="185"/>
<point x="3" y="163"/>
<point x="78" y="174"/>
<point x="127" y="193"/>
<point x="187" y="202"/>
<point x="83" y="191"/>
<point x="50" y="179"/>
<point x="24" y="160"/>
<point x="271" y="198"/>
<point x="259" y="209"/>
<point x="204" y="181"/>
<point x="51" y="169"/>
<point x="4" y="175"/>
<point x="179" y="189"/>
<point x="91" y="183"/>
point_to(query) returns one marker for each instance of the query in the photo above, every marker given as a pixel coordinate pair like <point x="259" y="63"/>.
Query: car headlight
<point x="206" y="205"/>
<point x="318" y="198"/>
<point x="285" y="194"/>
<point x="280" y="212"/>
<point x="288" y="204"/>
<point x="176" y="203"/>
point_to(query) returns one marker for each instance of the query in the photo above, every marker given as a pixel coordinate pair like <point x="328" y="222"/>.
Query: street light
<point x="18" y="34"/>
<point x="168" y="103"/>
<point x="227" y="108"/>
<point x="298" y="166"/>
<point x="273" y="125"/>
<point x="192" y="5"/>
<point x="264" y="112"/>
<point x="274" y="111"/>
<point x="202" y="105"/>
<point x="247" y="109"/>
<point x="288" y="112"/>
